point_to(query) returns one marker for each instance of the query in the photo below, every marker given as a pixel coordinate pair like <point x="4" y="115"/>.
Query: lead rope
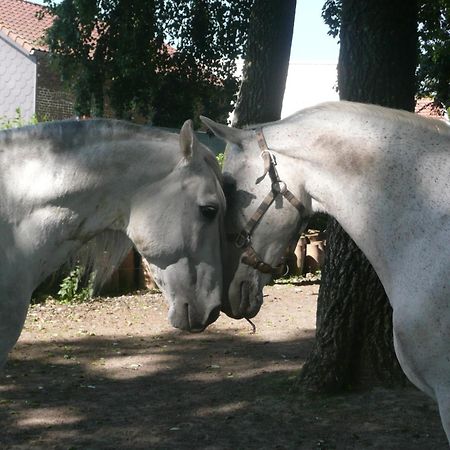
<point x="252" y="324"/>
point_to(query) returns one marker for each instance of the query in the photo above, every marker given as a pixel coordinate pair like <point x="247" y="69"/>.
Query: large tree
<point x="266" y="62"/>
<point x="433" y="71"/>
<point x="377" y="63"/>
<point x="162" y="59"/>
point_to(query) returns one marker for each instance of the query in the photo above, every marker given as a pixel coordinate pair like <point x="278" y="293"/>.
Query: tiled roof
<point x="19" y="21"/>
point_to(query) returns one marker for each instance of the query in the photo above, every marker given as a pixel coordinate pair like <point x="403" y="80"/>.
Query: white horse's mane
<point x="102" y="255"/>
<point x="74" y="132"/>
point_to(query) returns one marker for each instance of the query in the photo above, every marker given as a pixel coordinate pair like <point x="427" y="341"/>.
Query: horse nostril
<point x="213" y="315"/>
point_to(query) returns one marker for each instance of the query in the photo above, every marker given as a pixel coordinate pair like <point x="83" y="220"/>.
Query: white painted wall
<point x="309" y="83"/>
<point x="17" y="81"/>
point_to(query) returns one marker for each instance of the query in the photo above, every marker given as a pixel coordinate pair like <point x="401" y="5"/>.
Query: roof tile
<point x="19" y="21"/>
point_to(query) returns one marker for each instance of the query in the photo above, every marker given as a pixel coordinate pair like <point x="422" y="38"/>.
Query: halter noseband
<point x="243" y="240"/>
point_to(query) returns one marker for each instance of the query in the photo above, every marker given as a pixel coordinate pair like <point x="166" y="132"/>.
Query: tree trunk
<point x="377" y="62"/>
<point x="266" y="62"/>
<point x="378" y="52"/>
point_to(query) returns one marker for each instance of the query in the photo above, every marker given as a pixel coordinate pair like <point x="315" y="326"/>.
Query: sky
<point x="310" y="41"/>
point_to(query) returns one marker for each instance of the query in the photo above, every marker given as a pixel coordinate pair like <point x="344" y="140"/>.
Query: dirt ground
<point x="112" y="374"/>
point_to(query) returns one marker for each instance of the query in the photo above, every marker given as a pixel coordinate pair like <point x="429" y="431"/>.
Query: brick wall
<point x="53" y="100"/>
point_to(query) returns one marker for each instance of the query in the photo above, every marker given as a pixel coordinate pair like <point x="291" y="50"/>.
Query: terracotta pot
<point x="297" y="262"/>
<point x="315" y="252"/>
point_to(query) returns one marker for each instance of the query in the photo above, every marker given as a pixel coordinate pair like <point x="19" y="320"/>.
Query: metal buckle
<point x="263" y="153"/>
<point x="279" y="187"/>
<point x="242" y="240"/>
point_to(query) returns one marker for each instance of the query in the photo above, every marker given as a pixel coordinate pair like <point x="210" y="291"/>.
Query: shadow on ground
<point x="208" y="391"/>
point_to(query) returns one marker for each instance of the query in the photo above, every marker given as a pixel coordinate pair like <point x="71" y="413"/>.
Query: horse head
<point x="182" y="241"/>
<point x="265" y="212"/>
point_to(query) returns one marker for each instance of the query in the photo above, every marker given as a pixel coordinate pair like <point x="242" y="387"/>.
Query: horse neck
<point x="98" y="170"/>
<point x="123" y="167"/>
<point x="59" y="193"/>
<point x="354" y="169"/>
<point x="334" y="161"/>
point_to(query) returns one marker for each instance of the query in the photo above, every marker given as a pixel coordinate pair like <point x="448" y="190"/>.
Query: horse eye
<point x="209" y="211"/>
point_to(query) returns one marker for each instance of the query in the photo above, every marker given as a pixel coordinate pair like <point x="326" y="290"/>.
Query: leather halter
<point x="243" y="240"/>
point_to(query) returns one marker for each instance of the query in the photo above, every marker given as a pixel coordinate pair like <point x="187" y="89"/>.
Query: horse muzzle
<point x="187" y="318"/>
<point x="244" y="302"/>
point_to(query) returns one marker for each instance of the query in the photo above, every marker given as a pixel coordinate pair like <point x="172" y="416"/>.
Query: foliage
<point x="17" y="121"/>
<point x="308" y="278"/>
<point x="433" y="72"/>
<point x="71" y="290"/>
<point x="160" y="59"/>
<point x="434" y="35"/>
<point x="220" y="158"/>
<point x="331" y="13"/>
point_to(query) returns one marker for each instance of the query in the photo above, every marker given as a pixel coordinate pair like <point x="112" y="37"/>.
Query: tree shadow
<point x="217" y="390"/>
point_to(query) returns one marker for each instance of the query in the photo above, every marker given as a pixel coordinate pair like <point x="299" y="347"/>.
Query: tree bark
<point x="266" y="62"/>
<point x="354" y="347"/>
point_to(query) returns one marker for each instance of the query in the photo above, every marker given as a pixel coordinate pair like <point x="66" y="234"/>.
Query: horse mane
<point x="377" y="112"/>
<point x="72" y="133"/>
<point x="100" y="257"/>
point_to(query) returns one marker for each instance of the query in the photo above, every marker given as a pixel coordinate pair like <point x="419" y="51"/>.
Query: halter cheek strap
<point x="243" y="239"/>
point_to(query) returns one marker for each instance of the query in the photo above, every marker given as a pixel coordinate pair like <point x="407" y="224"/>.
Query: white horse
<point x="64" y="183"/>
<point x="385" y="176"/>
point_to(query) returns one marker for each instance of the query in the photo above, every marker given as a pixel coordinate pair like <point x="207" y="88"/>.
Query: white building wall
<point x="309" y="83"/>
<point x="17" y="81"/>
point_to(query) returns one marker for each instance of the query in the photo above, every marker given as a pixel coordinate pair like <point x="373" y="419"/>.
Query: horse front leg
<point x="421" y="340"/>
<point x="13" y="311"/>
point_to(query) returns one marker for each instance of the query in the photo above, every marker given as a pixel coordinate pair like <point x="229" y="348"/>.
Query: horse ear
<point x="187" y="140"/>
<point x="229" y="134"/>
